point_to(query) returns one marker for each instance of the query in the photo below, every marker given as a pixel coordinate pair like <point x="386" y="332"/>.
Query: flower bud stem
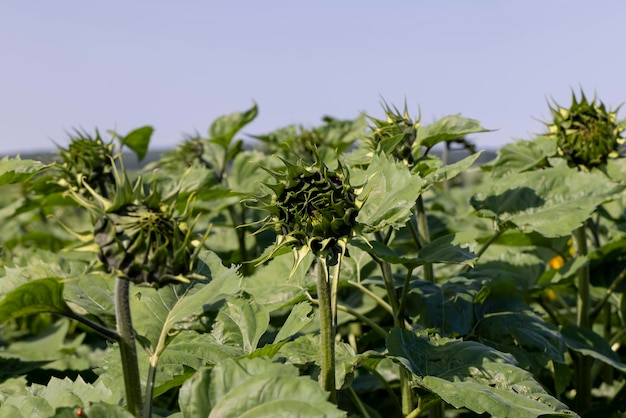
<point x="128" y="348"/>
<point x="327" y="329"/>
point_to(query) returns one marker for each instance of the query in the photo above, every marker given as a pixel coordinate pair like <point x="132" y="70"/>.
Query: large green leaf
<point x="390" y="191"/>
<point x="138" y="140"/>
<point x="552" y="202"/>
<point x="250" y="388"/>
<point x="587" y="342"/>
<point x="448" y="306"/>
<point x="16" y="170"/>
<point x="448" y="128"/>
<point x="38" y="296"/>
<point x="448" y="249"/>
<point x="158" y="313"/>
<point x="531" y="340"/>
<point x="521" y="156"/>
<point x="272" y="286"/>
<point x="93" y="295"/>
<point x="224" y="128"/>
<point x="471" y="375"/>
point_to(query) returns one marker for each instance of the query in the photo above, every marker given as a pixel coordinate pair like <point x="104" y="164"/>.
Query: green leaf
<point x="271" y="285"/>
<point x="95" y="410"/>
<point x="71" y="393"/>
<point x="588" y="343"/>
<point x="300" y="315"/>
<point x="250" y="388"/>
<point x="523" y="156"/>
<point x="26" y="406"/>
<point x="448" y="128"/>
<point x="390" y="191"/>
<point x="552" y="202"/>
<point x="38" y="296"/>
<point x="138" y="141"/>
<point x="450" y="171"/>
<point x="451" y="249"/>
<point x="306" y="349"/>
<point x="224" y="128"/>
<point x="16" y="170"/>
<point x="468" y="374"/>
<point x="241" y="322"/>
<point x="532" y="341"/>
<point x="157" y="313"/>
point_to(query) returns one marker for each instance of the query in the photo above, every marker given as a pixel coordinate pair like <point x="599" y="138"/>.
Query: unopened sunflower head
<point x="312" y="206"/>
<point x="587" y="134"/>
<point x="87" y="160"/>
<point x="395" y="135"/>
<point x="139" y="234"/>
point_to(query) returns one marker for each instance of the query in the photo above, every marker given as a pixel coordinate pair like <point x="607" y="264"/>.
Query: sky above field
<point x="177" y="65"/>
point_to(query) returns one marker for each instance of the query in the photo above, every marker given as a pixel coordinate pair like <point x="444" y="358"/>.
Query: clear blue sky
<point x="177" y="65"/>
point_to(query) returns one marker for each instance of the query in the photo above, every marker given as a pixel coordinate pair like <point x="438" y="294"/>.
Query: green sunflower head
<point x="312" y="206"/>
<point x="587" y="134"/>
<point x="139" y="234"/>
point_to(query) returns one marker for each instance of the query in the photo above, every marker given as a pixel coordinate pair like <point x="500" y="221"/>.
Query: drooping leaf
<point x="552" y="202"/>
<point x="16" y="170"/>
<point x="250" y="388"/>
<point x="390" y="191"/>
<point x="448" y="306"/>
<point x="38" y="296"/>
<point x="468" y="374"/>
<point x="531" y="340"/>
<point x="448" y="128"/>
<point x="138" y="140"/>
<point x="588" y="343"/>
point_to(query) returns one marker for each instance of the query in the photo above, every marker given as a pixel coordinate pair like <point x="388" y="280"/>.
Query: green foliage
<point x="433" y="287"/>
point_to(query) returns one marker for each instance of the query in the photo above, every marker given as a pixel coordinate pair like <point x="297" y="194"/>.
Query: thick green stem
<point x="128" y="348"/>
<point x="583" y="305"/>
<point x="405" y="380"/>
<point x="327" y="329"/>
<point x="437" y="410"/>
<point x="241" y="239"/>
<point x="424" y="235"/>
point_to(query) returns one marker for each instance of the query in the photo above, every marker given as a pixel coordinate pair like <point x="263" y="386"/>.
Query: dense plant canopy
<point x="362" y="268"/>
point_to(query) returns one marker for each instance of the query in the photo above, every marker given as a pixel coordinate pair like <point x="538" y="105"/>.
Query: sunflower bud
<point x="587" y="134"/>
<point x="139" y="234"/>
<point x="146" y="244"/>
<point x="313" y="205"/>
<point x="395" y="135"/>
<point x="86" y="159"/>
